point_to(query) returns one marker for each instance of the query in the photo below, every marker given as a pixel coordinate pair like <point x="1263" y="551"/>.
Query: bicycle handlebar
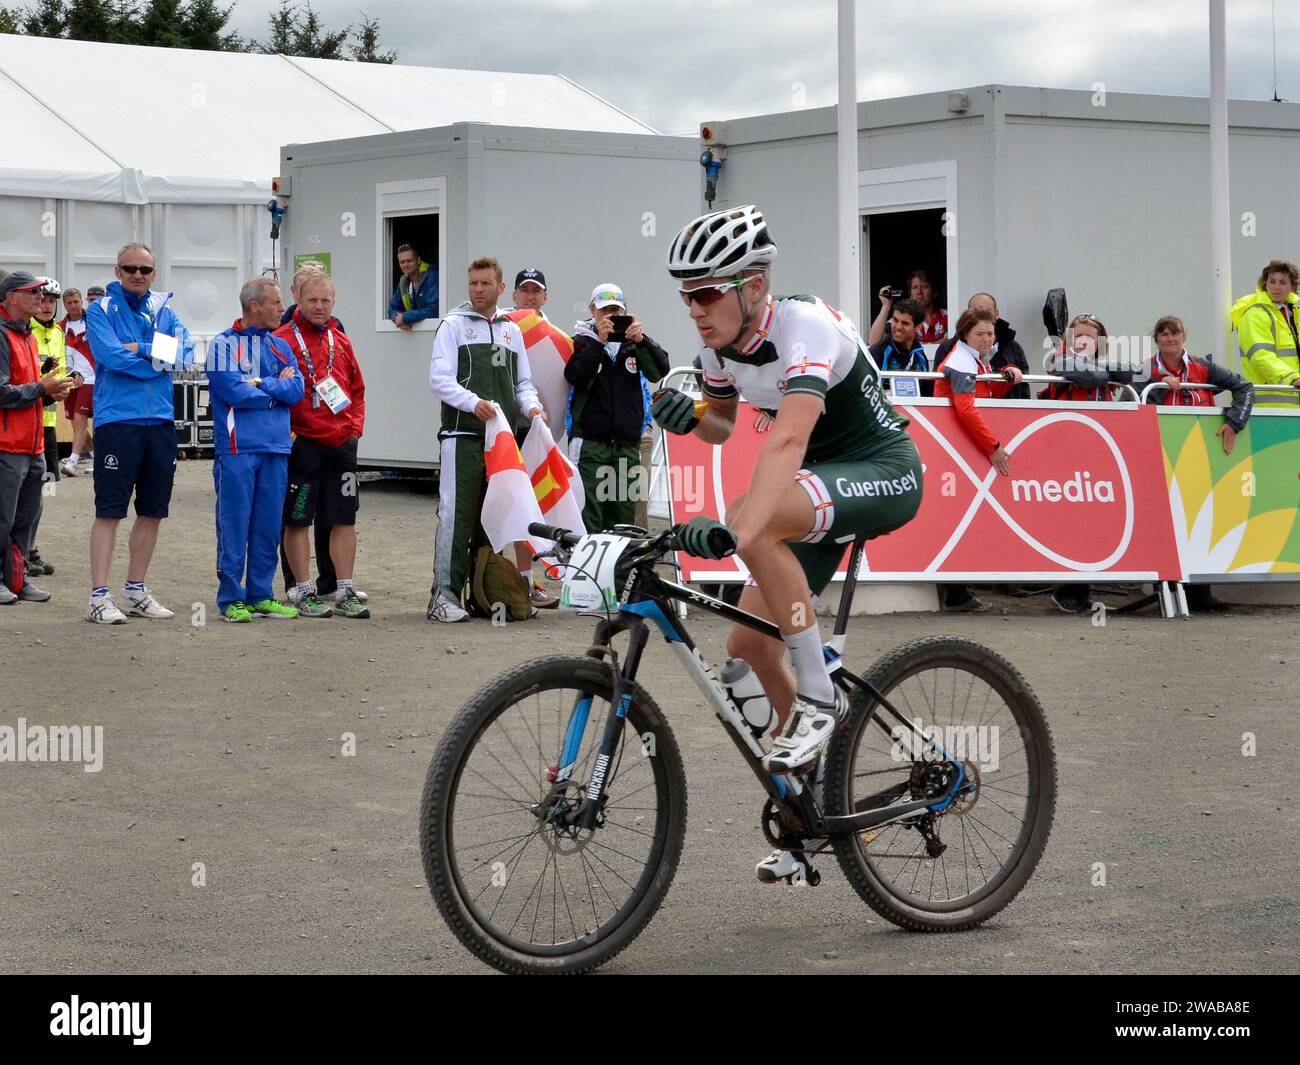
<point x="552" y="532"/>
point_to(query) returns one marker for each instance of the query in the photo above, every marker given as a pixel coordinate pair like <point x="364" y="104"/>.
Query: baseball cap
<point x="19" y="280"/>
<point x="95" y="290"/>
<point x="607" y="294"/>
<point x="532" y="274"/>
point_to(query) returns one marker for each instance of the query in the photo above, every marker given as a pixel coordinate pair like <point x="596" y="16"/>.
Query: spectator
<point x="1082" y="361"/>
<point x="255" y="382"/>
<point x="921" y="289"/>
<point x="966" y="360"/>
<point x="326" y="578"/>
<point x="900" y="350"/>
<point x="1006" y="349"/>
<point x="416" y="297"/>
<point x="1173" y="366"/>
<point x="546" y="347"/>
<point x="51" y="346"/>
<point x="475" y="344"/>
<point x="137" y="341"/>
<point x="611" y="352"/>
<point x="327" y="424"/>
<point x="1267" y="332"/>
<point x="22" y="437"/>
<point x="295" y="286"/>
<point x="80" y="404"/>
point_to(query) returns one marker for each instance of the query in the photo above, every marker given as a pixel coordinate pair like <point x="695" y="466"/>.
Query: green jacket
<point x="1267" y="346"/>
<point x="476" y="358"/>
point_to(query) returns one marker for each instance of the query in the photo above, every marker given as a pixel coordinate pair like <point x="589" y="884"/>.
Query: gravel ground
<point x="222" y="746"/>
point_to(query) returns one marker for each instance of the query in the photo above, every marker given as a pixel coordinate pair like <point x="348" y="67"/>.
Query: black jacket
<point x="608" y="406"/>
<point x="1009" y="353"/>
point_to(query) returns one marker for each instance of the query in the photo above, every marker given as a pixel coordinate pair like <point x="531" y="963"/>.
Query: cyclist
<point x="834" y="435"/>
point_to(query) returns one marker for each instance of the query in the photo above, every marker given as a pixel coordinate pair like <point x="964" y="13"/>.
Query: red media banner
<point x="1086" y="496"/>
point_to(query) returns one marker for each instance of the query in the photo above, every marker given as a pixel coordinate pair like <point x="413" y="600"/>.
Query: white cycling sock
<point x="811" y="679"/>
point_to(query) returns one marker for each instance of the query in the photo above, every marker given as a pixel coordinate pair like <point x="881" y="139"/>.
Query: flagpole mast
<point x="850" y="276"/>
<point x="1220" y="205"/>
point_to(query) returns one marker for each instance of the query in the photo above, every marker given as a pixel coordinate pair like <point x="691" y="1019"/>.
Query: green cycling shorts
<point x="864" y="498"/>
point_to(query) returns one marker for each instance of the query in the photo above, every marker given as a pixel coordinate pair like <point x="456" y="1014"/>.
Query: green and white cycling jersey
<point x="805" y="347"/>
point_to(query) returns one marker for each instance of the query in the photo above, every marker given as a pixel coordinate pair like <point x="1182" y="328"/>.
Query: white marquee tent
<point x="109" y="143"/>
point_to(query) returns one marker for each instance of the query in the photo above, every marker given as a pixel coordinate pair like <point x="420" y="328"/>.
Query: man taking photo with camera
<point x="610" y="353"/>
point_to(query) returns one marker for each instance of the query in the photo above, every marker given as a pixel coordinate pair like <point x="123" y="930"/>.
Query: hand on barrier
<point x="675" y="411"/>
<point x="706" y="538"/>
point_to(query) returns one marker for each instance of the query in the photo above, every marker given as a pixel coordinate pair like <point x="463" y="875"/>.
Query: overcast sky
<point x="675" y="63"/>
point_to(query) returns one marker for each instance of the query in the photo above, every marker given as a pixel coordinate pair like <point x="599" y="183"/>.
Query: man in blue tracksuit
<point x="253" y="379"/>
<point x="137" y="341"/>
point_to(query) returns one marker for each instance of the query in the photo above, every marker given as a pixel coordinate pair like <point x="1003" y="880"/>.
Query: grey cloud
<point x="677" y="63"/>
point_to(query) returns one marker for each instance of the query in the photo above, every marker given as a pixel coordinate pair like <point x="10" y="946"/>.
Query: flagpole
<point x="850" y="276"/>
<point x="1220" y="205"/>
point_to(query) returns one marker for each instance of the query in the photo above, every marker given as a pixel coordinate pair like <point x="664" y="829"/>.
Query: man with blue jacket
<point x="416" y="295"/>
<point x="253" y="379"/>
<point x="137" y="341"/>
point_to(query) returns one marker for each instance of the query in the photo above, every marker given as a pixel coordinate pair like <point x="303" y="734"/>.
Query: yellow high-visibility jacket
<point x="51" y="342"/>
<point x="1268" y="346"/>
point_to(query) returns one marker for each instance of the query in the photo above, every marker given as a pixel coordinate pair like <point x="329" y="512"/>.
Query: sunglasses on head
<point x="707" y="295"/>
<point x="145" y="270"/>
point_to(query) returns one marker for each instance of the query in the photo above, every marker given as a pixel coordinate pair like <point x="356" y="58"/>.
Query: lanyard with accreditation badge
<point x="327" y="388"/>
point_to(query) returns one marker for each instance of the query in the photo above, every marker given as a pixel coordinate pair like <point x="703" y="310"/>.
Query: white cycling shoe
<point x="805" y="735"/>
<point x="782" y="866"/>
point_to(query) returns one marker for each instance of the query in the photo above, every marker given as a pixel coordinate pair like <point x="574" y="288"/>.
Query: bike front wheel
<point x="951" y="868"/>
<point x="518" y="880"/>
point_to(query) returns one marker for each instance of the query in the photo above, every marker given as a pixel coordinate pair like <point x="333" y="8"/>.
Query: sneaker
<point x="35" y="569"/>
<point x="237" y="613"/>
<point x="68" y="468"/>
<point x="145" y="605"/>
<point x="351" y="607"/>
<point x="6" y="596"/>
<point x="542" y="599"/>
<point x="807" y="732"/>
<point x="967" y="606"/>
<point x="270" y="608"/>
<point x="46" y="568"/>
<point x="443" y="609"/>
<point x="32" y="594"/>
<point x="782" y="866"/>
<point x="104" y="612"/>
<point x="311" y="606"/>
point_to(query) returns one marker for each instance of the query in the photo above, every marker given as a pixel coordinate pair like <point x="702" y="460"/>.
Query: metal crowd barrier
<point x="1289" y="389"/>
<point x="1029" y="379"/>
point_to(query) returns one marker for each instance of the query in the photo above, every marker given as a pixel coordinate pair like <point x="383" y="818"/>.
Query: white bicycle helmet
<point x="50" y="287"/>
<point x="721" y="244"/>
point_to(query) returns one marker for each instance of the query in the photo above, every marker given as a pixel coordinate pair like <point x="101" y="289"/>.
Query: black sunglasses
<point x="145" y="270"/>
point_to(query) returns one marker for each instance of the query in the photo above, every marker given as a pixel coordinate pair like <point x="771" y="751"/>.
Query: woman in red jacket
<point x="968" y="359"/>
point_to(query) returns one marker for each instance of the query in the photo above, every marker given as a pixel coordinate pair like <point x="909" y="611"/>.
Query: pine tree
<point x="163" y="25"/>
<point x="205" y="27"/>
<point x="8" y="23"/>
<point x="366" y="50"/>
<point x="48" y="19"/>
<point x="90" y="20"/>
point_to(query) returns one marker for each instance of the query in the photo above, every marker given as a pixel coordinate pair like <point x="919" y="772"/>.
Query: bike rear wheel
<point x="951" y="869"/>
<point x="518" y="883"/>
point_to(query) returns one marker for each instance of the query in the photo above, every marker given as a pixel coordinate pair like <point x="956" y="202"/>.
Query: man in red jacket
<point x="22" y="433"/>
<point x="326" y="423"/>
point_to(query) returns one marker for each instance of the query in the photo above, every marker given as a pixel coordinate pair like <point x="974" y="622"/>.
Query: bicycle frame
<point x="646" y="599"/>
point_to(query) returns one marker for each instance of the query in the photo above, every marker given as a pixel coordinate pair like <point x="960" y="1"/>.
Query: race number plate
<point x="589" y="573"/>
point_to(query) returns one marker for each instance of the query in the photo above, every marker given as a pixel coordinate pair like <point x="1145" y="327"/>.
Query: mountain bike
<point x="554" y="809"/>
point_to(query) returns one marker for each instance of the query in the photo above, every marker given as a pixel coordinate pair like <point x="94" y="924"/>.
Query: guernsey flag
<point x="509" y="504"/>
<point x="556" y="484"/>
<point x="548" y="348"/>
